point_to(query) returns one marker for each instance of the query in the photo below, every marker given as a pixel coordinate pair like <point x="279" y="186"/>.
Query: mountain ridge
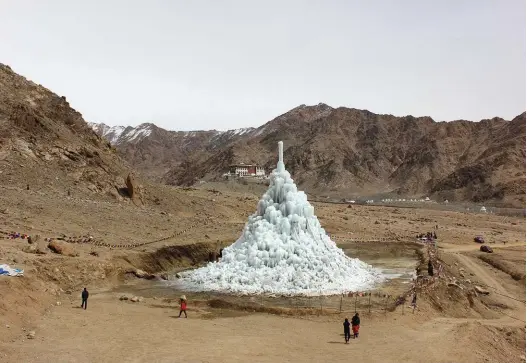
<point x="350" y="151"/>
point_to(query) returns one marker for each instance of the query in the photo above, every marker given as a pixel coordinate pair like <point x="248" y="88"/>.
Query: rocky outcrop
<point x="46" y="143"/>
<point x="134" y="190"/>
<point x="61" y="248"/>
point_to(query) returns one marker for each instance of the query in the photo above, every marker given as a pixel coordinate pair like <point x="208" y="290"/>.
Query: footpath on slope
<point x="517" y="305"/>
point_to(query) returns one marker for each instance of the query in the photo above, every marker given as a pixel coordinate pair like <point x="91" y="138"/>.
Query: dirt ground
<point x="451" y="324"/>
<point x="110" y="331"/>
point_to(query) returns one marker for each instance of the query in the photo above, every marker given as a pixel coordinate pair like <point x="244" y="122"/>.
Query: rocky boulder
<point x="134" y="190"/>
<point x="141" y="274"/>
<point x="61" y="248"/>
<point x="37" y="248"/>
<point x="30" y="249"/>
<point x="481" y="291"/>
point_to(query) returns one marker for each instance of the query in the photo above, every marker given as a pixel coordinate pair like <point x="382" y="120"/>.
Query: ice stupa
<point x="283" y="250"/>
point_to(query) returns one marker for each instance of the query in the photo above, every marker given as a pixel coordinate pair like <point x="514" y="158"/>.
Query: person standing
<point x="84" y="296"/>
<point x="347" y="332"/>
<point x="355" y="325"/>
<point x="182" y="306"/>
<point x="430" y="268"/>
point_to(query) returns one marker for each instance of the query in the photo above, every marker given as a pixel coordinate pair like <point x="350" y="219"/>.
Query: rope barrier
<point x="512" y="317"/>
<point x="497" y="293"/>
<point x="133" y="245"/>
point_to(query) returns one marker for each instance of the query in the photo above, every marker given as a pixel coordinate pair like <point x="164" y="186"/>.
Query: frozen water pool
<point x="396" y="260"/>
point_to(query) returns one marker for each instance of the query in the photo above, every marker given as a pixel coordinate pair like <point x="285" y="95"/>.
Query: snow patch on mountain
<point x="125" y="134"/>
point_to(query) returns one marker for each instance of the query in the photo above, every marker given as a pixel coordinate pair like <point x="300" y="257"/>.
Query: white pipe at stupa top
<point x="280" y="166"/>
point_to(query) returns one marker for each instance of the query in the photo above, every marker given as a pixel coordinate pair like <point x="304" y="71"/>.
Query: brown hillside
<point x="44" y="143"/>
<point x="350" y="152"/>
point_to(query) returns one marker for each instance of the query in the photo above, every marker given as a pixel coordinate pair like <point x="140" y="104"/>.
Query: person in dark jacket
<point x="414" y="300"/>
<point x="355" y="325"/>
<point x="430" y="268"/>
<point x="347" y="332"/>
<point x="84" y="296"/>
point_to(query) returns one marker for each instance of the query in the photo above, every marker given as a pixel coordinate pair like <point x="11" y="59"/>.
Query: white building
<point x="243" y="170"/>
<point x="260" y="171"/>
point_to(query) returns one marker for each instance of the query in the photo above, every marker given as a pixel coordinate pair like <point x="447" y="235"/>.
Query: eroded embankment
<point x="172" y="258"/>
<point x="509" y="268"/>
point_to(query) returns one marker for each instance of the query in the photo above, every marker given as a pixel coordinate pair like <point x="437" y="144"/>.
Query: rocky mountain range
<point x="156" y="151"/>
<point x="346" y="152"/>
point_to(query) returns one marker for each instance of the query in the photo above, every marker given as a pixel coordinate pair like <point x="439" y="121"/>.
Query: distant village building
<point x="242" y="170"/>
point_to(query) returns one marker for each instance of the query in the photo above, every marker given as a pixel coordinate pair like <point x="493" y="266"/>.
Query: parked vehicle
<point x="485" y="248"/>
<point x="479" y="239"/>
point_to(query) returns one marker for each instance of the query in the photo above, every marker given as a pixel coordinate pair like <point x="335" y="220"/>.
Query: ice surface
<point x="283" y="250"/>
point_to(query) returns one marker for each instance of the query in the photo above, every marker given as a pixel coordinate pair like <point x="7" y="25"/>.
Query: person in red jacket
<point x="182" y="306"/>
<point x="355" y="325"/>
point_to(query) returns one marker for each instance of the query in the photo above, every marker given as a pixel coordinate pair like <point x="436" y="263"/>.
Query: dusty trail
<point x="445" y="247"/>
<point x="489" y="279"/>
<point x="517" y="311"/>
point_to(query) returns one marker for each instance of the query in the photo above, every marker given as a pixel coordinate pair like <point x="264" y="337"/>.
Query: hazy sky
<point x="188" y="65"/>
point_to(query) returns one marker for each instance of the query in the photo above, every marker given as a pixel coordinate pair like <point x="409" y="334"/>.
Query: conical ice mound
<point x="283" y="250"/>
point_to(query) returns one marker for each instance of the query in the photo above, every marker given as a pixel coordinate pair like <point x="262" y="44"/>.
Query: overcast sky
<point x="188" y="65"/>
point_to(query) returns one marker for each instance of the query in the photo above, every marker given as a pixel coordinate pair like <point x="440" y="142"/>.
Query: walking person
<point x="84" y="296"/>
<point x="182" y="306"/>
<point x="355" y="325"/>
<point x="347" y="331"/>
<point x="430" y="268"/>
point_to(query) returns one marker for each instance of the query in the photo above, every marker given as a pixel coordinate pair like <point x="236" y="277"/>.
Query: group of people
<point x="355" y="325"/>
<point x="15" y="235"/>
<point x="429" y="236"/>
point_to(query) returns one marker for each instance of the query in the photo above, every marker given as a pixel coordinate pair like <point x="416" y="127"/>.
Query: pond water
<point x="396" y="260"/>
